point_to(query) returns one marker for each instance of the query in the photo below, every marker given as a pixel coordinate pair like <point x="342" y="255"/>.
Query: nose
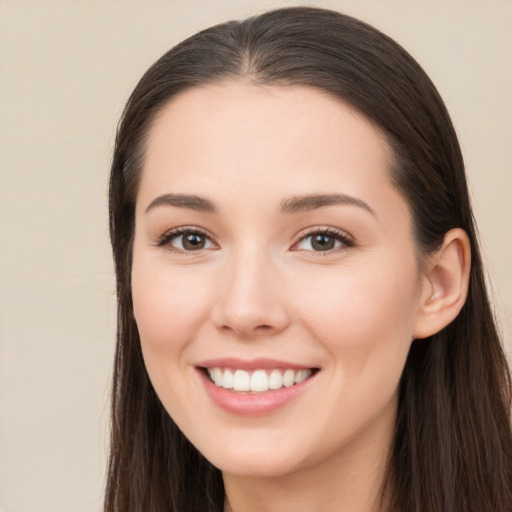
<point x="252" y="300"/>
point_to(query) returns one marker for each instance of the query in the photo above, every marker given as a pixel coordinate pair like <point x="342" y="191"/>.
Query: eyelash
<point x="169" y="236"/>
<point x="345" y="240"/>
<point x="338" y="235"/>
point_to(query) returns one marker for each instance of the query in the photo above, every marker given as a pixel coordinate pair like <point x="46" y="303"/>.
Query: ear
<point x="445" y="284"/>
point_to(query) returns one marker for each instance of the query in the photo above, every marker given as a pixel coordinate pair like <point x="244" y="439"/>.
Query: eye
<point x="186" y="240"/>
<point x="323" y="241"/>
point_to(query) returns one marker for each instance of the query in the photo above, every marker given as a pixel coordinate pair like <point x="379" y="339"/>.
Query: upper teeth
<point x="259" y="380"/>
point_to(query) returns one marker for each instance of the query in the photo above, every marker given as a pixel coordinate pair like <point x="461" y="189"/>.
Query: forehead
<point x="277" y="140"/>
<point x="277" y="114"/>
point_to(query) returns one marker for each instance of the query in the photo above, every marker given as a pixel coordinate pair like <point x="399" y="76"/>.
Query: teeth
<point x="241" y="381"/>
<point x="257" y="381"/>
<point x="301" y="376"/>
<point x="228" y="380"/>
<point x="217" y="376"/>
<point x="289" y="378"/>
<point x="275" y="380"/>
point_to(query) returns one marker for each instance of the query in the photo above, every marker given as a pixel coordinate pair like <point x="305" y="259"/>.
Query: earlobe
<point x="445" y="284"/>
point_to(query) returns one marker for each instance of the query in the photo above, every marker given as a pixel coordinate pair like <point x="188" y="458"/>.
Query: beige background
<point x="66" y="68"/>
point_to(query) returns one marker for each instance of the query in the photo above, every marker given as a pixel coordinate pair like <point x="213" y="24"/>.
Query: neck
<point x="350" y="481"/>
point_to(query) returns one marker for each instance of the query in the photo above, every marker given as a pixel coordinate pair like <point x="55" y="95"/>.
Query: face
<point x="275" y="279"/>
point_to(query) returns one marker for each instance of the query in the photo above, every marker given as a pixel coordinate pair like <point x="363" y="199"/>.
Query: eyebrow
<point x="297" y="204"/>
<point x="199" y="204"/>
<point x="309" y="202"/>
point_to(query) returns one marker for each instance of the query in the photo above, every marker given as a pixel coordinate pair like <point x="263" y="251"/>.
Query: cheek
<point x="363" y="317"/>
<point x="168" y="306"/>
<point x="169" y="309"/>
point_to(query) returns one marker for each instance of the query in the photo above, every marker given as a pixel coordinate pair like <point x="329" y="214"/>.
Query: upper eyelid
<point x="324" y="229"/>
<point x="177" y="231"/>
<point x="186" y="229"/>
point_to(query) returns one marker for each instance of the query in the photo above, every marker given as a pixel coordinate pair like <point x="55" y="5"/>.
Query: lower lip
<point x="249" y="404"/>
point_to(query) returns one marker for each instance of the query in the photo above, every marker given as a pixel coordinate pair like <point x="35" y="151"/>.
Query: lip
<point x="250" y="364"/>
<point x="249" y="404"/>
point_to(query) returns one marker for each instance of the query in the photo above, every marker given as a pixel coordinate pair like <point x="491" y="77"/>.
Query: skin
<point x="259" y="289"/>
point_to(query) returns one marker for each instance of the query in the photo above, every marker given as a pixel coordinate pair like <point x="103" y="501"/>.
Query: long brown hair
<point x="453" y="445"/>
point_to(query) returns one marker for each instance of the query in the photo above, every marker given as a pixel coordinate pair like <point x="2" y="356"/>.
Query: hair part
<point x="453" y="443"/>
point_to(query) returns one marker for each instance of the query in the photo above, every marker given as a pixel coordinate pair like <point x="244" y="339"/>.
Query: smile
<point x="257" y="381"/>
<point x="255" y="387"/>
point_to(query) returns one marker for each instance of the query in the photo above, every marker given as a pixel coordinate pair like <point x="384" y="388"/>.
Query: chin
<point x="256" y="468"/>
<point x="254" y="460"/>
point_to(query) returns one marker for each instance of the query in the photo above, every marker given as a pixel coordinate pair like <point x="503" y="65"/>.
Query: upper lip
<point x="251" y="364"/>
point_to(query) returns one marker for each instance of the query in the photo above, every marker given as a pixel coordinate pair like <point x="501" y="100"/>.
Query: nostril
<point x="259" y="329"/>
<point x="262" y="330"/>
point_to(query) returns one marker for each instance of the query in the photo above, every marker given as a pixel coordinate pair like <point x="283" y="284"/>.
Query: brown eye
<point x="193" y="241"/>
<point x="322" y="242"/>
<point x="187" y="241"/>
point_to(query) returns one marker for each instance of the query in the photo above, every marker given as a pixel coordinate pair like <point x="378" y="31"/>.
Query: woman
<point x="303" y="320"/>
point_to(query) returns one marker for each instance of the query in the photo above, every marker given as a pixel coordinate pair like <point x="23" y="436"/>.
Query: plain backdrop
<point x="66" y="69"/>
